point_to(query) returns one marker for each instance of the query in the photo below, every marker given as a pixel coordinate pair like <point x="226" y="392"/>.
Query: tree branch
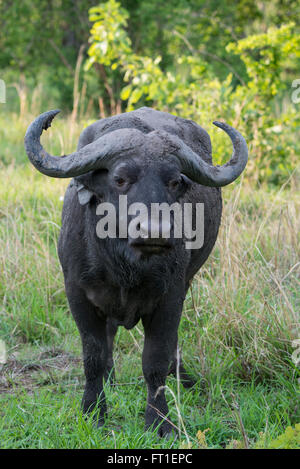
<point x="209" y="54"/>
<point x="62" y="57"/>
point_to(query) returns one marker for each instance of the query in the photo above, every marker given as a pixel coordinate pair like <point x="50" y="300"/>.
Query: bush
<point x="290" y="439"/>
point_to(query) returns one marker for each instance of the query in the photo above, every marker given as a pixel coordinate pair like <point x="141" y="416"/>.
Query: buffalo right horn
<point x="99" y="154"/>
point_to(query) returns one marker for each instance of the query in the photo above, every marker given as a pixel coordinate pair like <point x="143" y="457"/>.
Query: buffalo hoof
<point x="96" y="416"/>
<point x="164" y="428"/>
<point x="167" y="431"/>
<point x="94" y="411"/>
<point x="110" y="376"/>
<point x="98" y="422"/>
<point x="188" y="381"/>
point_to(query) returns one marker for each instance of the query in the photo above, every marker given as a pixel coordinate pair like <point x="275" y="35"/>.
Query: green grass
<point x="236" y="334"/>
<point x="46" y="414"/>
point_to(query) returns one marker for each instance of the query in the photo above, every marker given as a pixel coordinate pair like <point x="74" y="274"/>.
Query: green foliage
<point x="110" y="40"/>
<point x="201" y="60"/>
<point x="40" y="42"/>
<point x="290" y="439"/>
<point x="266" y="56"/>
<point x="272" y="133"/>
<point x="189" y="88"/>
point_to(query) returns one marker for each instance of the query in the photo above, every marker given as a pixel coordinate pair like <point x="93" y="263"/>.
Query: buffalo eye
<point x="120" y="182"/>
<point x="174" y="184"/>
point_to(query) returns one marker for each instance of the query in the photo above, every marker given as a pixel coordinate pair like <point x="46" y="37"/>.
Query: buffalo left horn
<point x="193" y="166"/>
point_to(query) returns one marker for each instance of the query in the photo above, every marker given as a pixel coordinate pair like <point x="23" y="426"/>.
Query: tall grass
<point x="246" y="297"/>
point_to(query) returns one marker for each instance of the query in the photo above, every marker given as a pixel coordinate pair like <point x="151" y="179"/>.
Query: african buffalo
<point x="152" y="157"/>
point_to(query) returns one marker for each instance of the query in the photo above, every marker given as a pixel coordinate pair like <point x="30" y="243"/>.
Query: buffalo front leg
<point x="92" y="329"/>
<point x="160" y="342"/>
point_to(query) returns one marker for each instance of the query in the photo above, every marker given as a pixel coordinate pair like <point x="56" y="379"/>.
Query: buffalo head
<point x="153" y="168"/>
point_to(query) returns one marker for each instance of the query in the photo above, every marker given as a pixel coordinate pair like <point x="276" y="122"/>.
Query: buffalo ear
<point x="89" y="185"/>
<point x="187" y="181"/>
<point x="84" y="194"/>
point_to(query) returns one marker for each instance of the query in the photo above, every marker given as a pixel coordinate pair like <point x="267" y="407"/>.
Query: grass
<point x="240" y="318"/>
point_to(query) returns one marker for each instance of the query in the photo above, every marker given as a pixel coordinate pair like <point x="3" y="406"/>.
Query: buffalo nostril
<point x="165" y="229"/>
<point x="154" y="228"/>
<point x="144" y="229"/>
<point x="160" y="229"/>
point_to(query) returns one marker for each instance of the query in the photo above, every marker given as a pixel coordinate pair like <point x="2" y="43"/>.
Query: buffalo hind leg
<point x="92" y="329"/>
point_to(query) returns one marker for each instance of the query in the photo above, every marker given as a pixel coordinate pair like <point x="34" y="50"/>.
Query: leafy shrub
<point x="189" y="89"/>
<point x="290" y="439"/>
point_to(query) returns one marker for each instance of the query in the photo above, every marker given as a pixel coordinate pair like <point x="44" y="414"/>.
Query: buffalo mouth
<point x="151" y="246"/>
